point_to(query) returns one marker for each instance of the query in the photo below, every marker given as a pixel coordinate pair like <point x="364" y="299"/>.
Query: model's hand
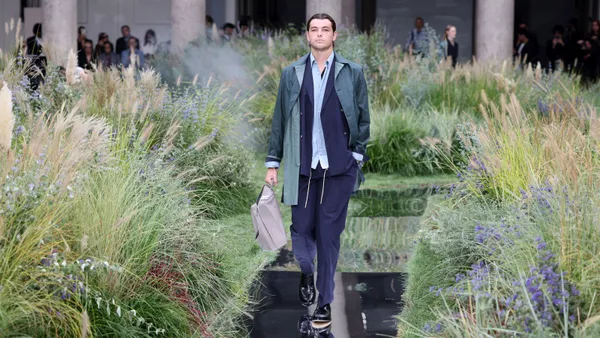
<point x="271" y="177"/>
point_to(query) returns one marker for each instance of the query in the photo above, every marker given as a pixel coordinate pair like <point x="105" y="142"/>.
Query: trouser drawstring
<point x="308" y="188"/>
<point x="323" y="188"/>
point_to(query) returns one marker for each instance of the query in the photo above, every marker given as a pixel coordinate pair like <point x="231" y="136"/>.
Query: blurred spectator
<point x="109" y="58"/>
<point x="34" y="43"/>
<point x="149" y="47"/>
<point x="86" y="58"/>
<point x="556" y="48"/>
<point x="527" y="51"/>
<point x="418" y="39"/>
<point x="449" y="46"/>
<point x="102" y="37"/>
<point x="133" y="49"/>
<point x="228" y="30"/>
<point x="123" y="42"/>
<point x="82" y="38"/>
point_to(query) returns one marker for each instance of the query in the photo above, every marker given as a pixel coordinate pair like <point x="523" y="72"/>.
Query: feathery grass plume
<point x="71" y="68"/>
<point x="7" y="119"/>
<point x="215" y="33"/>
<point x="270" y="46"/>
<point x="85" y="324"/>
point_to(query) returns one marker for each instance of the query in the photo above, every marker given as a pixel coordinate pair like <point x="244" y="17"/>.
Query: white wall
<point x="8" y="9"/>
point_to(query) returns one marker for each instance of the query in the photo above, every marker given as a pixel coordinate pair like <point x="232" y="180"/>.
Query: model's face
<point x="88" y="48"/>
<point x="107" y="49"/>
<point x="321" y="36"/>
<point x="132" y="43"/>
<point x="452" y="33"/>
<point x="419" y="23"/>
<point x="125" y="31"/>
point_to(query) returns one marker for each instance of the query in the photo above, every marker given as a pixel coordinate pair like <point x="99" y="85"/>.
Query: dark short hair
<point x="228" y="25"/>
<point x="321" y="16"/>
<point x="37" y="28"/>
<point x="80" y="29"/>
<point x="209" y="19"/>
<point x="124" y="26"/>
<point x="559" y="29"/>
<point x="524" y="31"/>
<point x="420" y="18"/>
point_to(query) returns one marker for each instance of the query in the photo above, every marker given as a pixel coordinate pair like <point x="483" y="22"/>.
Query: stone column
<point x="331" y="7"/>
<point x="494" y="29"/>
<point x="231" y="11"/>
<point x="348" y="13"/>
<point x="59" y="29"/>
<point x="187" y="22"/>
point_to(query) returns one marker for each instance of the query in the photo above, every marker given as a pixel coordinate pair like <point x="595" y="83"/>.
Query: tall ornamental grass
<point x="124" y="206"/>
<point x="513" y="251"/>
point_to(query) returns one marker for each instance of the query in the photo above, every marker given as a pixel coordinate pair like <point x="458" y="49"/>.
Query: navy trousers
<point x="318" y="222"/>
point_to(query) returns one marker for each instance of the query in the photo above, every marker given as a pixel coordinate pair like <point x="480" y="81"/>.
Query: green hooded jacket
<point x="284" y="143"/>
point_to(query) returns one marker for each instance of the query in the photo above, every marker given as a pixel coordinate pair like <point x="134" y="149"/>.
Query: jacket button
<point x="300" y="136"/>
<point x="345" y="133"/>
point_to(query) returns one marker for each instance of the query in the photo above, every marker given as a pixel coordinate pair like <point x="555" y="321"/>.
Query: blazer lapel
<point x="297" y="81"/>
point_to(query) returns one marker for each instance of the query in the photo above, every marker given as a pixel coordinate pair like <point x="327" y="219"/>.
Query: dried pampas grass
<point x="7" y="119"/>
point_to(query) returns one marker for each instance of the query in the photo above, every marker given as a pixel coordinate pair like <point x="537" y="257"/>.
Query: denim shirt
<point x="319" y="152"/>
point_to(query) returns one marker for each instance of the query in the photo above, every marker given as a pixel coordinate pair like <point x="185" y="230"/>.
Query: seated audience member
<point x="123" y="42"/>
<point x="556" y="49"/>
<point x="126" y="55"/>
<point x="82" y="38"/>
<point x="109" y="58"/>
<point x="228" y="30"/>
<point x="527" y="51"/>
<point x="99" y="49"/>
<point x="86" y="58"/>
<point x="150" y="44"/>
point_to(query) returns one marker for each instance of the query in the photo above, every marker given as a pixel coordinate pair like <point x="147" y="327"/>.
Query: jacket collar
<point x="300" y="66"/>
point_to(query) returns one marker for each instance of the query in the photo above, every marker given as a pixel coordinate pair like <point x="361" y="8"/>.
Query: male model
<point x="320" y="129"/>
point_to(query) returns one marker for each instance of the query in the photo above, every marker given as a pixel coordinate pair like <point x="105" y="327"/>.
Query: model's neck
<point x="321" y="55"/>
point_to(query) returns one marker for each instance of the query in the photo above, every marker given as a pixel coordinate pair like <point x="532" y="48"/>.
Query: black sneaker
<point x="306" y="290"/>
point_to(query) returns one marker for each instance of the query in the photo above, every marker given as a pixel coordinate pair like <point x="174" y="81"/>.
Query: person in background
<point x="126" y="54"/>
<point x="556" y="49"/>
<point x="228" y="30"/>
<point x="208" y="26"/>
<point x="418" y="39"/>
<point x="82" y="39"/>
<point x="244" y="29"/>
<point x="34" y="43"/>
<point x="150" y="43"/>
<point x="572" y="38"/>
<point x="526" y="50"/>
<point x="123" y="42"/>
<point x="102" y="37"/>
<point x="86" y="59"/>
<point x="449" y="46"/>
<point x="109" y="58"/>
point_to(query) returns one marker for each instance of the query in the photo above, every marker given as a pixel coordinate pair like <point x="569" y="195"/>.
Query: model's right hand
<point x="271" y="177"/>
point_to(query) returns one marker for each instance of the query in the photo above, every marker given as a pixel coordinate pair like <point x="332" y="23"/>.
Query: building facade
<point x="485" y="27"/>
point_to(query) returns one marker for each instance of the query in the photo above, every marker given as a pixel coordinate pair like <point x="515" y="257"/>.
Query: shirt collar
<point x="329" y="59"/>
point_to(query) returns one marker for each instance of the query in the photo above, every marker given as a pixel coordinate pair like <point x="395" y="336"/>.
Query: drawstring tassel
<point x="323" y="188"/>
<point x="308" y="189"/>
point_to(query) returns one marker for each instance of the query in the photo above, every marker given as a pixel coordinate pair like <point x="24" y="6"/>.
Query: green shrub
<point x="402" y="141"/>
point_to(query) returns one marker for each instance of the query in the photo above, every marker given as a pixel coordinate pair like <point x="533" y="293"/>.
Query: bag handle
<point x="266" y="185"/>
